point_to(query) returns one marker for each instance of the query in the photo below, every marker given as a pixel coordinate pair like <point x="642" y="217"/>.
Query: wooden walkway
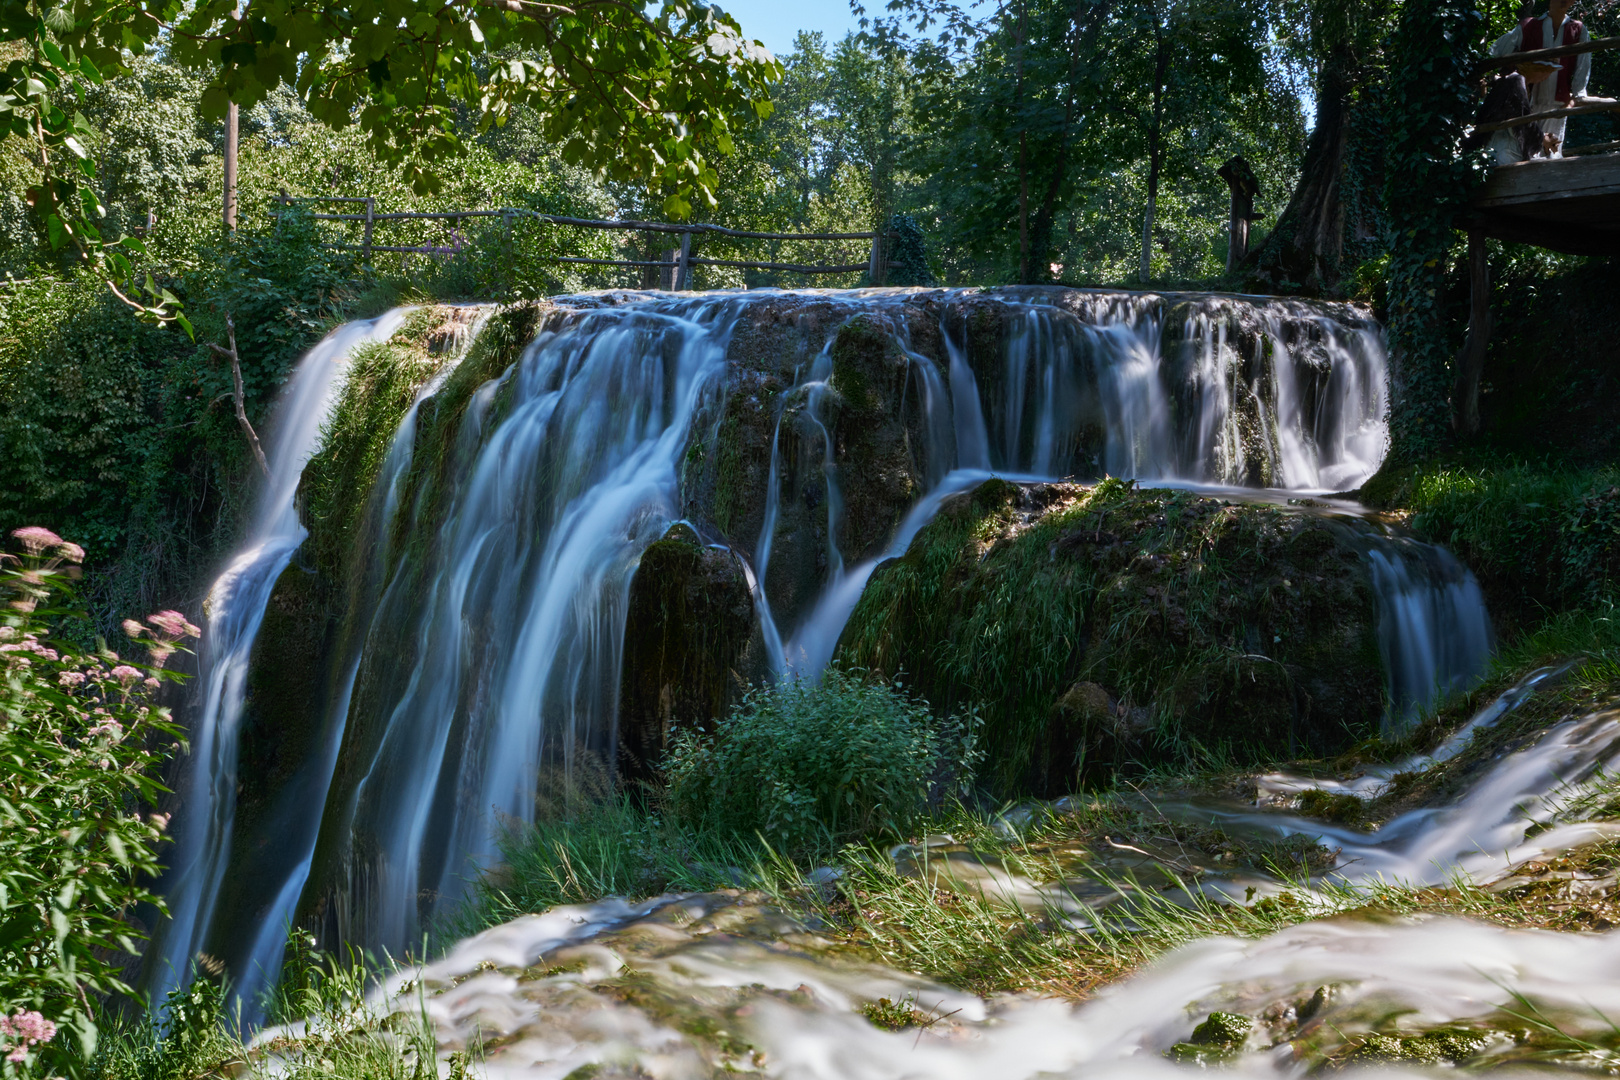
<point x="1565" y="204"/>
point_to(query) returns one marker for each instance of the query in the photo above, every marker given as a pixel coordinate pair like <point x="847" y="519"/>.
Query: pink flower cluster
<point x="167" y="628"/>
<point x="37" y="540"/>
<point x="27" y="1029"/>
<point x="109" y="727"/>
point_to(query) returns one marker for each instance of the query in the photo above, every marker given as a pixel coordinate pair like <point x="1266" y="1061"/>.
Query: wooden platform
<point x="1566" y="204"/>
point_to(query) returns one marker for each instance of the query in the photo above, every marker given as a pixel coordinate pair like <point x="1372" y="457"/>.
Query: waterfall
<point x="513" y="640"/>
<point x="1433" y="632"/>
<point x="234" y="610"/>
<point x="486" y="663"/>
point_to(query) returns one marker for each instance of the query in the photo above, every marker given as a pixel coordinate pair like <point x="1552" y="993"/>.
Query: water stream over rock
<point x="804" y="438"/>
<point x="234" y="610"/>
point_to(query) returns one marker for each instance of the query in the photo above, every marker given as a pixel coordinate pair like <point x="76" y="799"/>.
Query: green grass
<point x="1541" y="538"/>
<point x="611" y="847"/>
<point x="342" y="1038"/>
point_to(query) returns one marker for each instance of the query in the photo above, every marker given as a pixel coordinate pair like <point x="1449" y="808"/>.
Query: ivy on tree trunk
<point x="1431" y="97"/>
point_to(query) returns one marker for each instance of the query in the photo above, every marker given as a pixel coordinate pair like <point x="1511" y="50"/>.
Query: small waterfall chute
<point x="234" y="612"/>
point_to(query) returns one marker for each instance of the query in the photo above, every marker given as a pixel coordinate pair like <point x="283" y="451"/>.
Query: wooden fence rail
<point x="676" y="263"/>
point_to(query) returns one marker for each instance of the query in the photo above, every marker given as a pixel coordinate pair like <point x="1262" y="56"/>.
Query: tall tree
<point x="1334" y="215"/>
<point x="649" y="98"/>
<point x="1037" y="108"/>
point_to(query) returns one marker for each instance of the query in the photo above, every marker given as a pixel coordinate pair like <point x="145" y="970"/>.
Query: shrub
<point x="80" y="748"/>
<point x="806" y="764"/>
<point x="1538" y="536"/>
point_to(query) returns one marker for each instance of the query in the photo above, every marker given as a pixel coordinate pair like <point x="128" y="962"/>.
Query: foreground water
<point x="701" y="985"/>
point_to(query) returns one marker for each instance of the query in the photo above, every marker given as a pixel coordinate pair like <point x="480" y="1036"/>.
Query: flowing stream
<point x="234" y="610"/>
<point x="491" y="662"/>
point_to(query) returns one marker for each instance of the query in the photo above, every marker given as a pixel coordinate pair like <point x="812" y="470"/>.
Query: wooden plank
<point x="1518" y="229"/>
<point x="1550" y="177"/>
<point x="1592" y="148"/>
<point x="792" y="267"/>
<point x="1552" y="114"/>
<point x="1515" y="59"/>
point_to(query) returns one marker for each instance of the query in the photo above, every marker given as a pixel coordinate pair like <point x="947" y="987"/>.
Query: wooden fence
<point x="674" y="266"/>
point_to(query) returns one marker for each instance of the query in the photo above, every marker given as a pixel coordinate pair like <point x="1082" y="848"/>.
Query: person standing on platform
<point x="1551" y="84"/>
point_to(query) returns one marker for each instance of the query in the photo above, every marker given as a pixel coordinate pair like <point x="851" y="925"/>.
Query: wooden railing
<point x="675" y="265"/>
<point x="1554" y="53"/>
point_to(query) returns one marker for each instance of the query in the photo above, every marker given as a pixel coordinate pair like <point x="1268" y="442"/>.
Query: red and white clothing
<point x="1545" y="95"/>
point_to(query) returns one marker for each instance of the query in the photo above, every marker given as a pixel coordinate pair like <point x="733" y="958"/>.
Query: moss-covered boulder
<point x="689" y="619"/>
<point x="1102" y="626"/>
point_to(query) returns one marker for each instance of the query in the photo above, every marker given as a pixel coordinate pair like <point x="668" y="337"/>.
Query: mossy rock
<point x="1223" y="1029"/>
<point x="689" y="619"/>
<point x="285" y="687"/>
<point x="1208" y="625"/>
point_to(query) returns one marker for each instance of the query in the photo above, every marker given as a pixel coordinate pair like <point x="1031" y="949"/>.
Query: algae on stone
<point x="1243" y="629"/>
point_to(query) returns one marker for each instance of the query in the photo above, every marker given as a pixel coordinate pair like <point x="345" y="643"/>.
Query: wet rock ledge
<point x="1102" y="628"/>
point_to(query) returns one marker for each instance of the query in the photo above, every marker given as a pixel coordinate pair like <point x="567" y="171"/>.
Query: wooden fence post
<point x="877" y="268"/>
<point x="371" y="205"/>
<point x="1470" y="362"/>
<point x="1240" y="179"/>
<point x="683" y="267"/>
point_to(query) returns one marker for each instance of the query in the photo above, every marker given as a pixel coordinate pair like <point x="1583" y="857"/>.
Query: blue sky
<point x="776" y="22"/>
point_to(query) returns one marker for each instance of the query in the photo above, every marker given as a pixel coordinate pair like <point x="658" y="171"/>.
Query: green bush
<point x="808" y="764"/>
<point x="1537" y="536"/>
<point x="81" y="746"/>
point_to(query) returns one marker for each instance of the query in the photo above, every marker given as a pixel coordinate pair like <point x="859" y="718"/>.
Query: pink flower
<point x="159" y="821"/>
<point x="70" y="551"/>
<point x="71" y="678"/>
<point x="133" y="628"/>
<point x="160" y="653"/>
<point x="125" y="674"/>
<point x="29" y="1029"/>
<point x="173" y="624"/>
<point x="110" y="729"/>
<point x="36" y="539"/>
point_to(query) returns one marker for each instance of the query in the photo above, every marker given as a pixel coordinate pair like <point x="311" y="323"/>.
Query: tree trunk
<point x="237" y="394"/>
<point x="1085" y="44"/>
<point x="1306" y="248"/>
<point x="1025" y="270"/>
<point x="1161" y="65"/>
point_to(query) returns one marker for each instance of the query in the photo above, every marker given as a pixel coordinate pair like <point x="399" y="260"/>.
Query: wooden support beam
<point x="1470" y="360"/>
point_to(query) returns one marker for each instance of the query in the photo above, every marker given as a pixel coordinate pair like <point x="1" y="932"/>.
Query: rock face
<point x="1101" y="628"/>
<point x="690" y="618"/>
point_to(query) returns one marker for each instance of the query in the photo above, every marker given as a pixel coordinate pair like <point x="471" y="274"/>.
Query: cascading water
<point x="513" y="643"/>
<point x="491" y="660"/>
<point x="297" y="817"/>
<point x="234" y="611"/>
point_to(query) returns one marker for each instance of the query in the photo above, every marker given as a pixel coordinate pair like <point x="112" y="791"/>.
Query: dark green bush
<point x="808" y="764"/>
<point x="1539" y="537"/>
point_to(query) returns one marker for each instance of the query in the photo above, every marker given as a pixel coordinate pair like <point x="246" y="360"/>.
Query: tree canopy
<point x="638" y="97"/>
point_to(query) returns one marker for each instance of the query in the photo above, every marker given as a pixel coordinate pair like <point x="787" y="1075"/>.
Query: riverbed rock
<point x="1242" y="628"/>
<point x="689" y="619"/>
